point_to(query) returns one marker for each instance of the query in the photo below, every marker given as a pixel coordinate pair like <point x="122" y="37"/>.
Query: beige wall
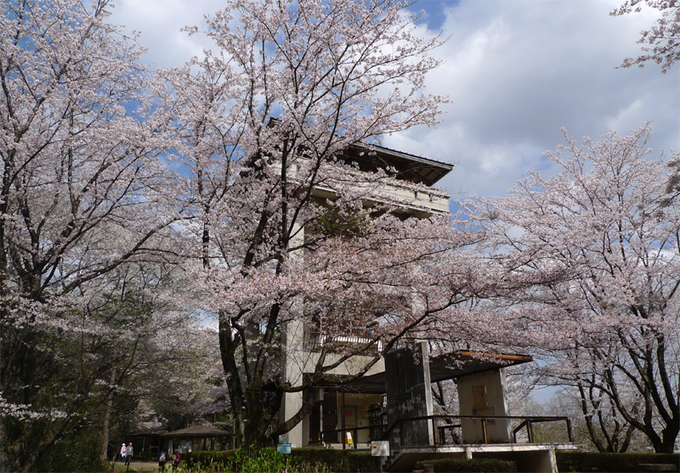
<point x="484" y="394"/>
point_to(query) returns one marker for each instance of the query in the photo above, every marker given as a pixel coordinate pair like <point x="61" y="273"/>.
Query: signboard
<point x="479" y="397"/>
<point x="283" y="448"/>
<point x="380" y="448"/>
<point x="284" y="444"/>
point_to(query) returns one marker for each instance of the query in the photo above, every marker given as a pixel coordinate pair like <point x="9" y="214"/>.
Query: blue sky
<point x="516" y="72"/>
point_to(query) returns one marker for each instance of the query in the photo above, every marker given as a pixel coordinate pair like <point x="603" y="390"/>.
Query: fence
<point x="446" y="429"/>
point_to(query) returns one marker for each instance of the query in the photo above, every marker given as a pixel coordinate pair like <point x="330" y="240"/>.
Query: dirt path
<point x="146" y="467"/>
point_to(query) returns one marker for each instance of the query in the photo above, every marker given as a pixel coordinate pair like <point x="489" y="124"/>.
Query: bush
<point x="334" y="460"/>
<point x="300" y="459"/>
<point x="265" y="460"/>
<point x="362" y="462"/>
<point x="476" y="465"/>
<point x="610" y="462"/>
<point x="208" y="458"/>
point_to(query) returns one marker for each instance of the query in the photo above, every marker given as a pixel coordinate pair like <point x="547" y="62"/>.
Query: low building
<point x="197" y="438"/>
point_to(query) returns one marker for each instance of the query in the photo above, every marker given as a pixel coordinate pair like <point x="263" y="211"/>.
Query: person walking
<point x="178" y="460"/>
<point x="128" y="455"/>
<point x="162" y="459"/>
<point x="123" y="450"/>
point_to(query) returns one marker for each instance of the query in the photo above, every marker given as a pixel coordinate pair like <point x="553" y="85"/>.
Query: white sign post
<point x="380" y="448"/>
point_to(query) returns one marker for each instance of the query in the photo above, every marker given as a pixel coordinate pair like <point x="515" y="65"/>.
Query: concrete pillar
<point x="294" y="359"/>
<point x="484" y="394"/>
<point x="538" y="461"/>
<point x="409" y="394"/>
<point x="293" y="372"/>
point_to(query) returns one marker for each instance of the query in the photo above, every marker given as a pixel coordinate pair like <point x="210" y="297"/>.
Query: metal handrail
<point x="353" y="430"/>
<point x="314" y="340"/>
<point x="527" y="421"/>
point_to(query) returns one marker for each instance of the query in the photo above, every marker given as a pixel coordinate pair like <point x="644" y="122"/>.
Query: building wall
<point x="484" y="394"/>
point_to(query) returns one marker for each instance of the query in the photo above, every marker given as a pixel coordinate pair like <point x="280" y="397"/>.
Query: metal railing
<point x="331" y="436"/>
<point x="455" y="422"/>
<point x="314" y="341"/>
<point x="441" y="424"/>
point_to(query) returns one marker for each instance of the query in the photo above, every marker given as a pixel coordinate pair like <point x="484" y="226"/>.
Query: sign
<point x="284" y="444"/>
<point x="283" y="448"/>
<point x="380" y="448"/>
<point x="479" y="397"/>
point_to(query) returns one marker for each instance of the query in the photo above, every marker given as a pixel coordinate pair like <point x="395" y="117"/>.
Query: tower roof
<point x="404" y="166"/>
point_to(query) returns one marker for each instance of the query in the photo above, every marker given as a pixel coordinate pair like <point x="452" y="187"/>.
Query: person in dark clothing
<point x="128" y="455"/>
<point x="162" y="459"/>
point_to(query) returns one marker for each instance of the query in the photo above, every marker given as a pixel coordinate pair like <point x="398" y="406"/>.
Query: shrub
<point x="334" y="460"/>
<point x="300" y="460"/>
<point x="610" y="462"/>
<point x="208" y="458"/>
<point x="263" y="460"/>
<point x="362" y="462"/>
<point x="476" y="465"/>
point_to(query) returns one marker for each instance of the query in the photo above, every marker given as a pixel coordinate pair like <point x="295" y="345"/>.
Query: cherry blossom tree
<point x="590" y="263"/>
<point x="175" y="380"/>
<point x="663" y="39"/>
<point x="83" y="193"/>
<point x="158" y="352"/>
<point x="287" y="231"/>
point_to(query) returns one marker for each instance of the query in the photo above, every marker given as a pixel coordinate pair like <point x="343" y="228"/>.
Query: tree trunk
<point x="4" y="457"/>
<point x="107" y="418"/>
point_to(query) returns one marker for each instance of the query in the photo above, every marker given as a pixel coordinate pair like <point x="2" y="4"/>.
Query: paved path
<point x="146" y="467"/>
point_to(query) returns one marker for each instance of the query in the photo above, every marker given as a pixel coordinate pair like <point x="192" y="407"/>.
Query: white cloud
<point x="519" y="70"/>
<point x="160" y="22"/>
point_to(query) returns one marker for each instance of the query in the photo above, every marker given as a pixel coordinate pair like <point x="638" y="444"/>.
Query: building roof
<point x="150" y="432"/>
<point x="408" y="167"/>
<point x="464" y="362"/>
<point x="449" y="366"/>
<point x="198" y="431"/>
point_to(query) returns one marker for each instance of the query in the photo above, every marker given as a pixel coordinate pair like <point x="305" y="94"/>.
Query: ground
<point x="141" y="466"/>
